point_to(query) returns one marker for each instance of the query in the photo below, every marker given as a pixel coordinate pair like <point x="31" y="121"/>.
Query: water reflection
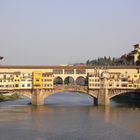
<point x="68" y="117"/>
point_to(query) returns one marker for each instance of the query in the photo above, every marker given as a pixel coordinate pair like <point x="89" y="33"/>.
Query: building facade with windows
<point x="6" y="80"/>
<point x="42" y="80"/>
<point x="47" y="80"/>
<point x="37" y="79"/>
<point x="26" y="80"/>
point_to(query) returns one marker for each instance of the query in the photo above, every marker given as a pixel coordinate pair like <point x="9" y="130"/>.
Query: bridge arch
<point x="74" y="98"/>
<point x="121" y="92"/>
<point x="26" y="94"/>
<point x="69" y="80"/>
<point x="58" y="80"/>
<point x="82" y="81"/>
<point x="72" y="88"/>
<point x="68" y="91"/>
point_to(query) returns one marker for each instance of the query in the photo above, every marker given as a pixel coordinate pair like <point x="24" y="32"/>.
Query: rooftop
<point x="65" y="67"/>
<point x="137" y="45"/>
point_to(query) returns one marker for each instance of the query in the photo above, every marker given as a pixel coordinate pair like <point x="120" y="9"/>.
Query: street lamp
<point x="1" y="58"/>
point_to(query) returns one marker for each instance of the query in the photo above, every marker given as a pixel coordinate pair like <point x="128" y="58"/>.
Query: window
<point x="37" y="85"/>
<point x="69" y="71"/>
<point x="81" y="71"/>
<point x="58" y="71"/>
<point x="123" y="85"/>
<point x="16" y="85"/>
<point x="28" y="85"/>
<point x="4" y="76"/>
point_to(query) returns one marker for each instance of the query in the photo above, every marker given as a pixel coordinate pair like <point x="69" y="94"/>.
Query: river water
<point x="68" y="116"/>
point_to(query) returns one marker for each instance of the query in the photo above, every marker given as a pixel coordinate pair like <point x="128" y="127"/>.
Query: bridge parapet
<point x="75" y="88"/>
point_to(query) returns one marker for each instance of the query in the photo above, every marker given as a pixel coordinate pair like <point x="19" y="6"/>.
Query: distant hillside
<point x="101" y="61"/>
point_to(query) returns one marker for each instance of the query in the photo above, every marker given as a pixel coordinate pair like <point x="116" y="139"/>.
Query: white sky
<point x="50" y="32"/>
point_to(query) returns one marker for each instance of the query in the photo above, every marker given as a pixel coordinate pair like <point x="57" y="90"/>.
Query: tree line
<point x="108" y="61"/>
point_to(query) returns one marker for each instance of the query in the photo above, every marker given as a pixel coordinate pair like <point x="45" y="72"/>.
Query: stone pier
<point x="95" y="101"/>
<point x="103" y="97"/>
<point x="37" y="97"/>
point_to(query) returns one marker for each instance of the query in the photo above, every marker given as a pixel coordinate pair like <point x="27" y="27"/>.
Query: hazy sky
<point x="50" y="32"/>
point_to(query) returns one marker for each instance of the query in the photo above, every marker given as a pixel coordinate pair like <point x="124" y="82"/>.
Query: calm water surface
<point x="68" y="116"/>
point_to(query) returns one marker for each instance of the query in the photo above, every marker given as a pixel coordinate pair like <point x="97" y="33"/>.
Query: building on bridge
<point x="47" y="80"/>
<point x="16" y="80"/>
<point x="119" y="78"/>
<point x="42" y="80"/>
<point x="94" y="81"/>
<point x="115" y="80"/>
<point x="37" y="79"/>
<point x="20" y="80"/>
<point x="25" y="80"/>
<point x="6" y="80"/>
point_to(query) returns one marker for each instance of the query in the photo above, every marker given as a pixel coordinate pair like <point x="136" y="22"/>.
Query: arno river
<point x="68" y="116"/>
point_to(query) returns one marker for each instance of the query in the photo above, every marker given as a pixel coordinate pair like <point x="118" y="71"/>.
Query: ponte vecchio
<point x="39" y="82"/>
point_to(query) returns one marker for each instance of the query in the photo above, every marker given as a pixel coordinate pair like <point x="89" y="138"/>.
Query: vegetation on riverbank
<point x="8" y="97"/>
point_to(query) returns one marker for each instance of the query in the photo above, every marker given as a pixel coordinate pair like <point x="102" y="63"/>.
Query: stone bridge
<point x="101" y="96"/>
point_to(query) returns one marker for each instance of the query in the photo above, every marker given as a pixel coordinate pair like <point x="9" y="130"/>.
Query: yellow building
<point x="37" y="79"/>
<point x="42" y="80"/>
